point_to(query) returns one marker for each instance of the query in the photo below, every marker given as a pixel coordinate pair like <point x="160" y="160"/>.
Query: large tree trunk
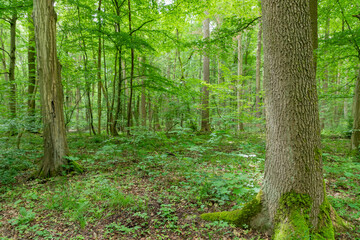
<point x="355" y="138"/>
<point x="292" y="202"/>
<point x="293" y="155"/>
<point x="314" y="28"/>
<point x="49" y="72"/>
<point x="32" y="76"/>
<point x="205" y="115"/>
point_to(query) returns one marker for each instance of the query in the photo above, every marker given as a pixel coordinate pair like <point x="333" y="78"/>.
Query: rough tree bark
<point x="292" y="203"/>
<point x="51" y="92"/>
<point x="355" y="137"/>
<point x="12" y="95"/>
<point x="205" y="114"/>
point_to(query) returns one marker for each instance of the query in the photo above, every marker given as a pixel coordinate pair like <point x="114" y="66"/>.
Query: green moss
<point x="318" y="154"/>
<point x="237" y="217"/>
<point x="294" y="222"/>
<point x="325" y="229"/>
<point x="293" y="217"/>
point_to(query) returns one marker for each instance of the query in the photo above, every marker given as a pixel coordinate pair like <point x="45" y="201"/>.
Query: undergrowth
<point x="153" y="185"/>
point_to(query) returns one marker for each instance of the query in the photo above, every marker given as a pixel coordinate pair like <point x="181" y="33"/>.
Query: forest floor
<point x="152" y="186"/>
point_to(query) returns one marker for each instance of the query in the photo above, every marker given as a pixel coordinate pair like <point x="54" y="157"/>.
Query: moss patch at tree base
<point x="238" y="217"/>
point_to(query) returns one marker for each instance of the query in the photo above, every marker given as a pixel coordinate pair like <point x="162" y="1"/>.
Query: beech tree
<point x="51" y="92"/>
<point x="292" y="203"/>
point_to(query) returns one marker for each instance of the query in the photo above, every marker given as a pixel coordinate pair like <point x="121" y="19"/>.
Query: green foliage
<point x="13" y="163"/>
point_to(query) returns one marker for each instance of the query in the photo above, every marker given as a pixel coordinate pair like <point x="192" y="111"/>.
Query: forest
<point x="179" y="119"/>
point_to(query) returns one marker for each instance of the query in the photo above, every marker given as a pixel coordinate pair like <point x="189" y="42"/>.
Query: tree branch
<point x="348" y="25"/>
<point x="5" y="51"/>
<point x="137" y="29"/>
<point x="357" y="16"/>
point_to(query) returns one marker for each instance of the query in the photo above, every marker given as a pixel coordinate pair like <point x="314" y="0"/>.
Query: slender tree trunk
<point x="99" y="72"/>
<point x="12" y="95"/>
<point x="51" y="92"/>
<point x="205" y="114"/>
<point x="143" y="96"/>
<point x="258" y="72"/>
<point x="3" y="59"/>
<point x="31" y="72"/>
<point x="111" y="122"/>
<point x="239" y="84"/>
<point x="87" y="83"/>
<point x="131" y="74"/>
<point x="118" y="104"/>
<point x="78" y="99"/>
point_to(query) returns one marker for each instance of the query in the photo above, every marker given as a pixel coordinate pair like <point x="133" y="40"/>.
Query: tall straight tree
<point x="12" y="102"/>
<point x="51" y="92"/>
<point x="258" y="72"/>
<point x="131" y="73"/>
<point x="293" y="167"/>
<point x="240" y="85"/>
<point x="205" y="113"/>
<point x="293" y="201"/>
<point x="99" y="71"/>
<point x="355" y="137"/>
<point x="31" y="72"/>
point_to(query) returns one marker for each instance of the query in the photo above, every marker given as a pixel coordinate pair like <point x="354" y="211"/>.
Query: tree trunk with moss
<point x="292" y="203"/>
<point x="49" y="72"/>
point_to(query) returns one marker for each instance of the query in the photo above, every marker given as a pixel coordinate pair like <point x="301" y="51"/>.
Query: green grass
<point x="155" y="185"/>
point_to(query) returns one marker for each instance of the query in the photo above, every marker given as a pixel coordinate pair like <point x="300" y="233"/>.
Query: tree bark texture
<point x="51" y="92"/>
<point x="293" y="155"/>
<point x="12" y="95"/>
<point x="205" y="114"/>
<point x="314" y="28"/>
<point x="32" y="72"/>
<point x="355" y="138"/>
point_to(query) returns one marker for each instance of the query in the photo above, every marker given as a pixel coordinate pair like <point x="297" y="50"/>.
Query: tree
<point x="32" y="74"/>
<point x="51" y="92"/>
<point x="205" y="114"/>
<point x="293" y="201"/>
<point x="12" y="102"/>
<point x="355" y="137"/>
